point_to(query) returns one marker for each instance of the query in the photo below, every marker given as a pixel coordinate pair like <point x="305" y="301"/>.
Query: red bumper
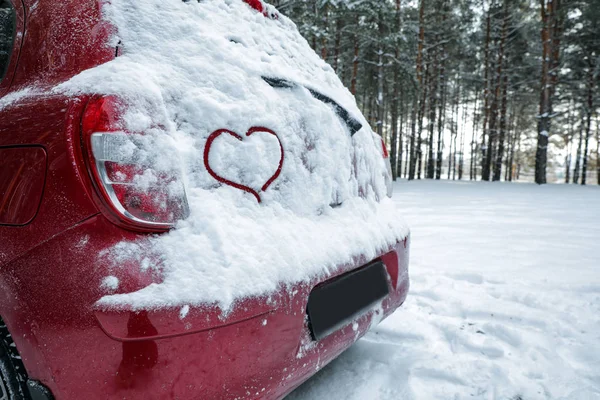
<point x="263" y="349"/>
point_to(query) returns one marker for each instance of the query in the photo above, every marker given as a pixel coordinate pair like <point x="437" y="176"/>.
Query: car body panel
<point x="57" y="46"/>
<point x="159" y="355"/>
<point x="51" y="274"/>
<point x="52" y="123"/>
<point x="22" y="176"/>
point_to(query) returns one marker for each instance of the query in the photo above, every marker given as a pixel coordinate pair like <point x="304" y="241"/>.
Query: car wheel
<point x="13" y="378"/>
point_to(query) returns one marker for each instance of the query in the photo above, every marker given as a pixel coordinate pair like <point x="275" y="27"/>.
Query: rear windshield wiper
<point x="352" y="123"/>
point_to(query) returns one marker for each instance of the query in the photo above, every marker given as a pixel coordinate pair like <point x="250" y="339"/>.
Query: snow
<point x="13" y="97"/>
<point x="110" y="283"/>
<point x="504" y="301"/>
<point x="184" y="311"/>
<point x="253" y="162"/>
<point x="221" y="258"/>
<point x="189" y="69"/>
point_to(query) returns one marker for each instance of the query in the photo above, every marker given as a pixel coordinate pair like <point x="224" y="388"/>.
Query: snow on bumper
<point x="262" y="349"/>
<point x="219" y="260"/>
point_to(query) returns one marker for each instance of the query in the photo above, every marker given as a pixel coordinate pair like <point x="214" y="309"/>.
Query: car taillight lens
<point x="389" y="179"/>
<point x="256" y="4"/>
<point x="134" y="192"/>
<point x="267" y="10"/>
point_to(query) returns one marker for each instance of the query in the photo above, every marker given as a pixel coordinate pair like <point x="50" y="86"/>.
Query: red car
<point x="57" y="215"/>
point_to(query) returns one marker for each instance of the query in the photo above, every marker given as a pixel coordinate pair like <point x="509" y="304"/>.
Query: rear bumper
<point x="263" y="349"/>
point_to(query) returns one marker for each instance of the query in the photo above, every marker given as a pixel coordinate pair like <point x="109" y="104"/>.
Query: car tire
<point x="13" y="377"/>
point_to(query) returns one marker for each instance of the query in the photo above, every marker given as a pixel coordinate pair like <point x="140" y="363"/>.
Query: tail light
<point x="133" y="192"/>
<point x="267" y="10"/>
<point x="389" y="179"/>
<point x="256" y="4"/>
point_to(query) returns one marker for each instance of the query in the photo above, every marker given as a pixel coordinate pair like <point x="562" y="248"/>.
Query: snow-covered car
<point x="191" y="204"/>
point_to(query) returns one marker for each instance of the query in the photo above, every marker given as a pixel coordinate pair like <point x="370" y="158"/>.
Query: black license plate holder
<point x="334" y="304"/>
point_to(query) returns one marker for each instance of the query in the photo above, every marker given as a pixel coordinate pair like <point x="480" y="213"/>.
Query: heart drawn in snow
<point x="239" y="183"/>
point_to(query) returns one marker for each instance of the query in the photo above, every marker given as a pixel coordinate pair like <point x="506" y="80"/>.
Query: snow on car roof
<point x="193" y="68"/>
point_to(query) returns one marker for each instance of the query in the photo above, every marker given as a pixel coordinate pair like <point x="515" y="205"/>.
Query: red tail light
<point x="256" y="4"/>
<point x="267" y="10"/>
<point x="132" y="191"/>
<point x="389" y="182"/>
<point x="384" y="150"/>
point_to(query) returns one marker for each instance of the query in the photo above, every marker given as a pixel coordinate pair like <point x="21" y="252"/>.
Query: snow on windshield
<point x="190" y="69"/>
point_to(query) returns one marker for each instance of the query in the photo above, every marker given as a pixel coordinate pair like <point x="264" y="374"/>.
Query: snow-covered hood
<point x="313" y="184"/>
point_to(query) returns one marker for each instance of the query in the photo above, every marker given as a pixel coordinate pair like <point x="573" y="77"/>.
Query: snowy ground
<point x="504" y="303"/>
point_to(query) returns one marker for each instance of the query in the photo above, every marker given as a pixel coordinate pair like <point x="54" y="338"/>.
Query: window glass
<point x="7" y="34"/>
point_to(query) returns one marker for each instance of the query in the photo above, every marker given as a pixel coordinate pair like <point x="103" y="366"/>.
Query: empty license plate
<point x="336" y="303"/>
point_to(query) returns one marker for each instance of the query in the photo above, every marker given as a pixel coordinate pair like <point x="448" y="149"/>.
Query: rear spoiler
<point x="352" y="123"/>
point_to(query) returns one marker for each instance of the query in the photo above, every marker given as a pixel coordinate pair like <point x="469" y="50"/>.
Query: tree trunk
<point x="569" y="144"/>
<point x="431" y="119"/>
<point x="454" y="158"/>
<point x="412" y="158"/>
<point x="588" y="122"/>
<point x="421" y="43"/>
<point x="509" y="144"/>
<point x="325" y="35"/>
<point x="440" y="138"/>
<point x="450" y="158"/>
<point x="380" y="97"/>
<point x="568" y="162"/>
<point x="408" y="145"/>
<point x="441" y="102"/>
<point x="461" y="154"/>
<point x="455" y="120"/>
<point x="422" y="110"/>
<point x="395" y="110"/>
<point x="550" y="35"/>
<point x="518" y="171"/>
<point x="598" y="150"/>
<point x="314" y="35"/>
<point x="453" y="132"/>
<point x="414" y="154"/>
<point x="337" y="43"/>
<point x="501" y="134"/>
<point x="394" y="144"/>
<point x="400" y="137"/>
<point x="516" y="138"/>
<point x="486" y="95"/>
<point x="578" y="154"/>
<point x="441" y="117"/>
<point x="473" y="146"/>
<point x="493" y="135"/>
<point x="407" y="142"/>
<point x="355" y="60"/>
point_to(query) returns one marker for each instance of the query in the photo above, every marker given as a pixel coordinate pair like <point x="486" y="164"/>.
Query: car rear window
<point x="7" y="34"/>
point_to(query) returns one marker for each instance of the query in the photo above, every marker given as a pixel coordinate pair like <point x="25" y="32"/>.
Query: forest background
<point x="469" y="89"/>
